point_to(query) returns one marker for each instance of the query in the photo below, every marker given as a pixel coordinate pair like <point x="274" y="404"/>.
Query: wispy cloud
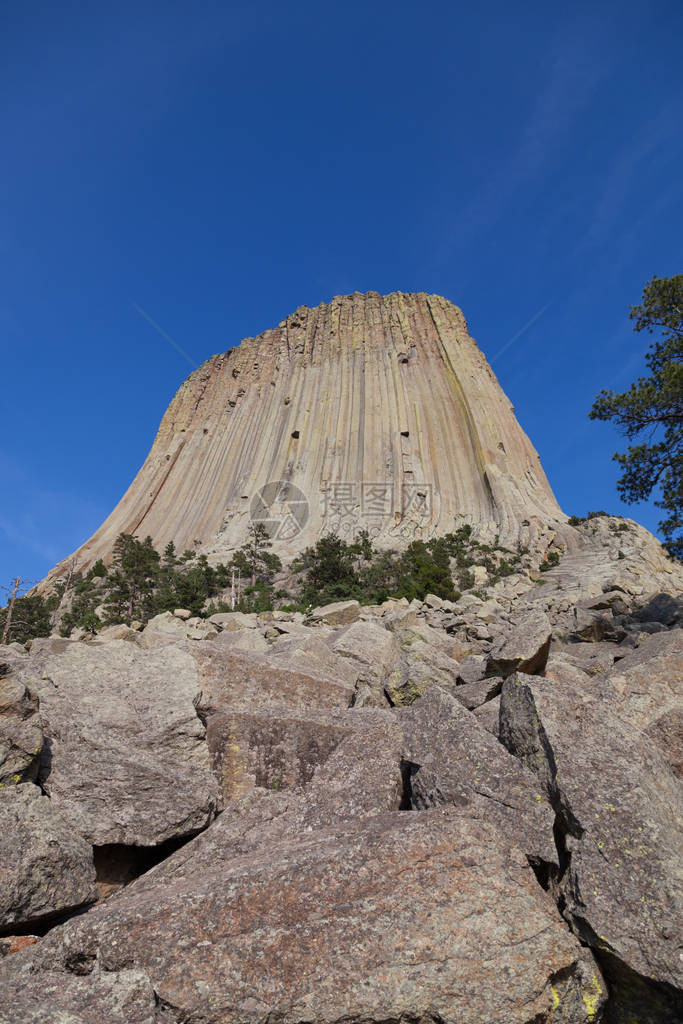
<point x="44" y="524"/>
<point x="616" y="195"/>
<point x="28" y="536"/>
<point x="574" y="68"/>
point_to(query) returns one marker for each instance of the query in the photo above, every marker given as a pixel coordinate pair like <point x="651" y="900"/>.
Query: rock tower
<point x="370" y="411"/>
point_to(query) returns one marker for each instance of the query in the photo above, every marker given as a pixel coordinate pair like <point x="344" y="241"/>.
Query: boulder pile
<point x="464" y="812"/>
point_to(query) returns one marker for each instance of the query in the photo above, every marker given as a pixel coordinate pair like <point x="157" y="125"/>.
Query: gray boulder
<point x="472" y="669"/>
<point x="667" y="733"/>
<point x="592" y="625"/>
<point x="297" y="673"/>
<point x="488" y="716"/>
<point x="454" y="760"/>
<point x="592" y="658"/>
<point x="376" y="920"/>
<point x="125" y="758"/>
<point x="81" y="994"/>
<point x="524" y="649"/>
<point x="473" y="695"/>
<point x="21" y="734"/>
<point x="618" y="818"/>
<point x="270" y="749"/>
<point x="363" y="774"/>
<point x="663" y="608"/>
<point x="646" y="690"/>
<point x="423" y="664"/>
<point x="46" y="867"/>
<point x="375" y="653"/>
<point x="648" y="681"/>
<point x="341" y="613"/>
<point x="233" y="621"/>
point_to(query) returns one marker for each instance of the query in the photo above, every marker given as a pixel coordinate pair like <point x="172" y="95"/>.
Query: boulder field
<point x="456" y="812"/>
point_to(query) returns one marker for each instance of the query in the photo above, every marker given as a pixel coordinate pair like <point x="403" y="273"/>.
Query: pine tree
<point x="26" y="615"/>
<point x="652" y="409"/>
<point x="132" y="579"/>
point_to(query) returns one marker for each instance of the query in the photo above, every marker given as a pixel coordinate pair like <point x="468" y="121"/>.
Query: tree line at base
<point x="140" y="582"/>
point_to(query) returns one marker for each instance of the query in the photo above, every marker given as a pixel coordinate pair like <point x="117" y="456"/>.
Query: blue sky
<point x="219" y="164"/>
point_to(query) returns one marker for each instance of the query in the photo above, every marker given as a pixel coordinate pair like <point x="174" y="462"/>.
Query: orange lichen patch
<point x="14" y="943"/>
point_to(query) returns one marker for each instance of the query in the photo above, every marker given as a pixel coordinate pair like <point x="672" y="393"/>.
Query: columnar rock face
<point x="380" y="410"/>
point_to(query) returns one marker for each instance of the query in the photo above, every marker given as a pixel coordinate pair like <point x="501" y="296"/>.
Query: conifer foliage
<point x="140" y="583"/>
<point x="651" y="411"/>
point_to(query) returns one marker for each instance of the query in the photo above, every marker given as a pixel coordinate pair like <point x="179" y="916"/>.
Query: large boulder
<point x="125" y="758"/>
<point x="233" y="621"/>
<point x="242" y="640"/>
<point x="594" y="625"/>
<point x="376" y="920"/>
<point x="648" y="682"/>
<point x="667" y="732"/>
<point x="594" y="659"/>
<point x="618" y="821"/>
<point x="473" y="695"/>
<point x="454" y="760"/>
<point x="472" y="669"/>
<point x="297" y="673"/>
<point x="488" y="716"/>
<point x="643" y="687"/>
<point x="161" y="630"/>
<point x="21" y="734"/>
<point x="47" y="868"/>
<point x="524" y="648"/>
<point x="375" y="653"/>
<point x="647" y="690"/>
<point x="341" y="613"/>
<point x="348" y="762"/>
<point x="663" y="608"/>
<point x="362" y="776"/>
<point x="424" y="663"/>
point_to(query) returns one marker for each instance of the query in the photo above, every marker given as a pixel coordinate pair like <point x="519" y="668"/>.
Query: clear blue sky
<point x="220" y="164"/>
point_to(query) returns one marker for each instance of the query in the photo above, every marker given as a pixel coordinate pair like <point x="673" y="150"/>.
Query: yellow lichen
<point x="591" y="998"/>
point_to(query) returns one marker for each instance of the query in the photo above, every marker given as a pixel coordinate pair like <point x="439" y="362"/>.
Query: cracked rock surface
<point x="373" y="920"/>
<point x="125" y="758"/>
<point x="47" y="868"/>
<point x="619" y="810"/>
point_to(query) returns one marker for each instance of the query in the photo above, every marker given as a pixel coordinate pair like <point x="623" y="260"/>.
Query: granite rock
<point x="47" y="868"/>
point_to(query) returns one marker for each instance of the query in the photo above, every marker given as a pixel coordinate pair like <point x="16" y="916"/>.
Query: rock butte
<point x="365" y="389"/>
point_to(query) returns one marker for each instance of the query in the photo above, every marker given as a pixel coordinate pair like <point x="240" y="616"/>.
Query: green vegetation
<point x="652" y="409"/>
<point x="614" y="527"/>
<point x="256" y="563"/>
<point x="553" y="559"/>
<point x="577" y="520"/>
<point x="31" y="617"/>
<point x="140" y="583"/>
<point x="334" y="570"/>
